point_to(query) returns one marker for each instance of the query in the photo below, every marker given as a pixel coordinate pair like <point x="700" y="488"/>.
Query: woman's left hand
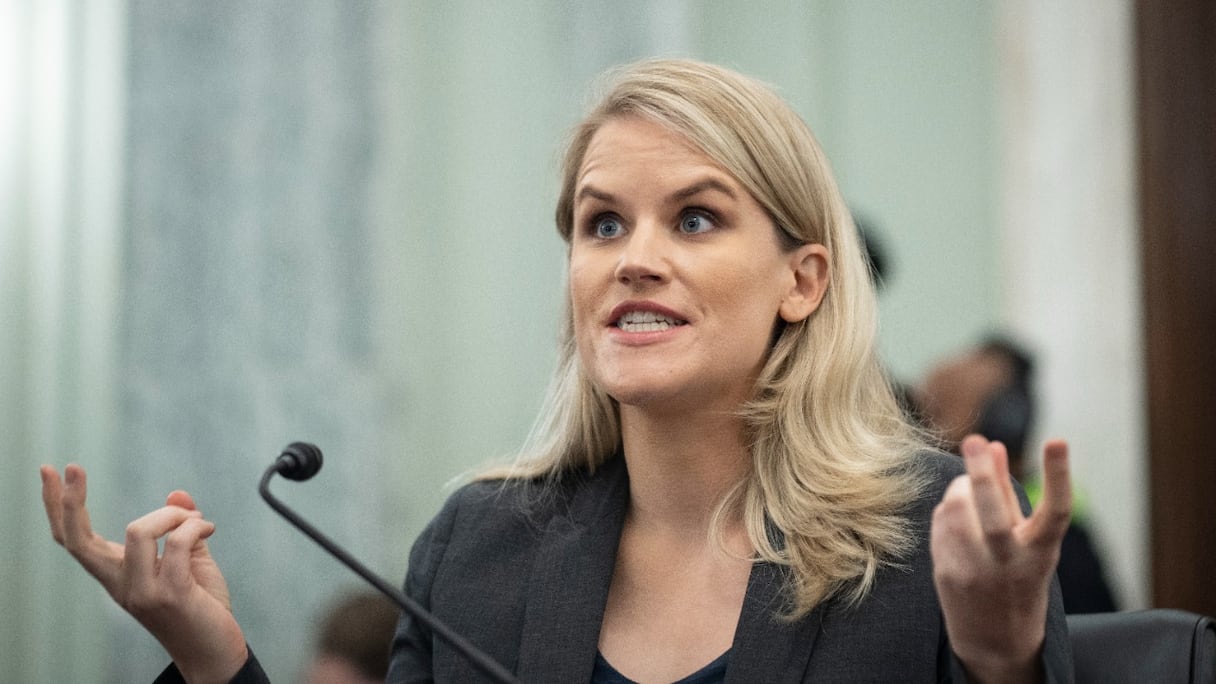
<point x="993" y="566"/>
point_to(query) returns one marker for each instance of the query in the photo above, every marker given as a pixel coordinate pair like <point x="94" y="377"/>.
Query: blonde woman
<point x="721" y="486"/>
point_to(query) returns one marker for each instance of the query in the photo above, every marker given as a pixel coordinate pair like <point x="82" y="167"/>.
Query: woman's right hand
<point x="179" y="595"/>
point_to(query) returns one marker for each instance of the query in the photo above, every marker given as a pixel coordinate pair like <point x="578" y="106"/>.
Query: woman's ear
<point x="810" y="267"/>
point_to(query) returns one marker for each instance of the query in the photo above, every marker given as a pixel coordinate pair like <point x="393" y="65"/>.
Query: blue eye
<point x="607" y="227"/>
<point x="696" y="222"/>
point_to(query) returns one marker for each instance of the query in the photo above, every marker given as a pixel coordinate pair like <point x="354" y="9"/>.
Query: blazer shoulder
<point x="939" y="467"/>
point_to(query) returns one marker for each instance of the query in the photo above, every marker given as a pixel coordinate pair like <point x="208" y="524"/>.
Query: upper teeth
<point x="645" y="321"/>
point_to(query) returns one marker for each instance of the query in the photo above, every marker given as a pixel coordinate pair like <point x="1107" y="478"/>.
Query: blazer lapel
<point x="569" y="584"/>
<point x="767" y="648"/>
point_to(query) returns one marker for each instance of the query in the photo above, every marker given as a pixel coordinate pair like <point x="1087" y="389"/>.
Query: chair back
<point x="1156" y="645"/>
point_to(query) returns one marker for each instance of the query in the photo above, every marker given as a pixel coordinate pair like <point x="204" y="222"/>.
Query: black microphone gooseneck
<point x="300" y="461"/>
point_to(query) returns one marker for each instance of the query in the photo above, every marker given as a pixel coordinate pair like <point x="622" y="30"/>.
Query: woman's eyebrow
<point x="703" y="186"/>
<point x="592" y="192"/>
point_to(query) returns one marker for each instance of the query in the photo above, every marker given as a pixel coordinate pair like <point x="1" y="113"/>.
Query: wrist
<point x="1003" y="668"/>
<point x="216" y="662"/>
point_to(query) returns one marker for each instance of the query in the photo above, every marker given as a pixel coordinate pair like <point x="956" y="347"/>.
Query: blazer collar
<point x="768" y="648"/>
<point x="569" y="588"/>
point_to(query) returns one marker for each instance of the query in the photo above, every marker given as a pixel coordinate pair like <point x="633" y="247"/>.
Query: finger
<point x="955" y="516"/>
<point x="52" y="500"/>
<point x="142" y="541"/>
<point x="955" y="531"/>
<point x="77" y="529"/>
<point x="1000" y="472"/>
<point x="180" y="546"/>
<point x="1050" y="520"/>
<point x="100" y="558"/>
<point x="181" y="499"/>
<point x="1011" y="497"/>
<point x="988" y="469"/>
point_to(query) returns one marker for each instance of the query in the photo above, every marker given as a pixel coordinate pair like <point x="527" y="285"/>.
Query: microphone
<point x="300" y="461"/>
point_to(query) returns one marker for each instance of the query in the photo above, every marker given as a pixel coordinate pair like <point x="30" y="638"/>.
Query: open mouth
<point x="647" y="321"/>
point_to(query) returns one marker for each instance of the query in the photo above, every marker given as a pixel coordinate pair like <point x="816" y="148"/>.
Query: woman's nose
<point x="644" y="256"/>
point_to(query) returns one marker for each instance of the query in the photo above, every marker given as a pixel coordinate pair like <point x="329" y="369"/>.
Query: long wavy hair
<point x="831" y="473"/>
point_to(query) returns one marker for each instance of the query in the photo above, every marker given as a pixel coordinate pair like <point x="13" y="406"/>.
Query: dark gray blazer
<point x="526" y="580"/>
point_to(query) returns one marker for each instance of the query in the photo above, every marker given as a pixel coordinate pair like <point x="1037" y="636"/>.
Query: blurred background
<point x="230" y="225"/>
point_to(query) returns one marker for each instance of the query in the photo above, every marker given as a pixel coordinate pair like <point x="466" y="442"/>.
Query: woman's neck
<point x="680" y="468"/>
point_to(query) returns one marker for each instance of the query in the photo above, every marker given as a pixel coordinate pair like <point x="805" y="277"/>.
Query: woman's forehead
<point x="631" y="144"/>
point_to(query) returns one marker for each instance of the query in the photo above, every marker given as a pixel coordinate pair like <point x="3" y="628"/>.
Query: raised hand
<point x="179" y="595"/>
<point x="993" y="565"/>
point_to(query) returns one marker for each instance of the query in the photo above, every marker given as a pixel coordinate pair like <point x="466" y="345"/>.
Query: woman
<point x="721" y="483"/>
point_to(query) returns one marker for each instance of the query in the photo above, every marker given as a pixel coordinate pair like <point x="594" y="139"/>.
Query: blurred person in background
<point x="353" y="640"/>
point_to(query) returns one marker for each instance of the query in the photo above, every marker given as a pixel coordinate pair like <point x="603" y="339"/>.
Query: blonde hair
<point x="831" y="449"/>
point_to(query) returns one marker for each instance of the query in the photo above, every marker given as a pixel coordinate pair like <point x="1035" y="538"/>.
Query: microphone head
<point x="299" y="461"/>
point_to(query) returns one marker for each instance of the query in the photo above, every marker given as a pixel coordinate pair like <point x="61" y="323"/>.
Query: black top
<point x="713" y="673"/>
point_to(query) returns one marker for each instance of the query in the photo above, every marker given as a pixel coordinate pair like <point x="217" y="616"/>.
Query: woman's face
<point x="677" y="277"/>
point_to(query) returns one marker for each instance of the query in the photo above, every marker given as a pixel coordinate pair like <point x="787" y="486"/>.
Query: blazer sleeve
<point x="250" y="673"/>
<point x="412" y="644"/>
<point x="1057" y="648"/>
